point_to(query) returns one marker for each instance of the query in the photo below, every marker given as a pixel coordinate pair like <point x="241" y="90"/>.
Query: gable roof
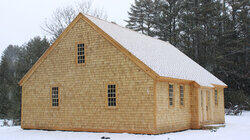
<point x="159" y="58"/>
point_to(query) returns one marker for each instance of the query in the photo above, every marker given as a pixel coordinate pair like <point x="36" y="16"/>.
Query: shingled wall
<point x="142" y="103"/>
<point x="83" y="88"/>
<point x="176" y="117"/>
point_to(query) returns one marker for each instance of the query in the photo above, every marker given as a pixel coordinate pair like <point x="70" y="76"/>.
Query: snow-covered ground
<point x="237" y="128"/>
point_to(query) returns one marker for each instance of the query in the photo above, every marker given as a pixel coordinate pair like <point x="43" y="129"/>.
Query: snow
<point x="160" y="56"/>
<point x="237" y="128"/>
<point x="10" y="122"/>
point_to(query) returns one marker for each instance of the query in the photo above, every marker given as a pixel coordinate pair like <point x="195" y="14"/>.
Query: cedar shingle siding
<point x="142" y="102"/>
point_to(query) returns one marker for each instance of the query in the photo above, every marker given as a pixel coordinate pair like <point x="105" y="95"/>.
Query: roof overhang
<point x="184" y="81"/>
<point x="134" y="59"/>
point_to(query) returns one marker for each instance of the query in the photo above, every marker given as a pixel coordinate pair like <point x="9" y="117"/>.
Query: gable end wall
<point x="82" y="89"/>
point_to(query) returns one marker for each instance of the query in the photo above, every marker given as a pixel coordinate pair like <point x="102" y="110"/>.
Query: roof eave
<point x="170" y="79"/>
<point x="220" y="86"/>
<point x="184" y="81"/>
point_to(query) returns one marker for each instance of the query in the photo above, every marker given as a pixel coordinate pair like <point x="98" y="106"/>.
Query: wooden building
<point x="100" y="77"/>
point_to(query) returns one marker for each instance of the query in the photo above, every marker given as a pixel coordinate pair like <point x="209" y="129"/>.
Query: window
<point x="80" y="54"/>
<point x="54" y="96"/>
<point x="216" y="96"/>
<point x="171" y="94"/>
<point x="111" y="95"/>
<point x="181" y="95"/>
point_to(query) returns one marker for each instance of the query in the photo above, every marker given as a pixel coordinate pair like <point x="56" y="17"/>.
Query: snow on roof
<point x="160" y="56"/>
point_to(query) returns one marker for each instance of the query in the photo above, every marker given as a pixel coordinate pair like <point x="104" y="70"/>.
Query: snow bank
<point x="237" y="128"/>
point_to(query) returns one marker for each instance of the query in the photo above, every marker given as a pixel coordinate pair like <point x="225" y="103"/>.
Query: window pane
<point x="215" y="96"/>
<point x="181" y="95"/>
<point x="55" y="96"/>
<point x="171" y="93"/>
<point x="182" y="102"/>
<point x="80" y="53"/>
<point x="111" y="95"/>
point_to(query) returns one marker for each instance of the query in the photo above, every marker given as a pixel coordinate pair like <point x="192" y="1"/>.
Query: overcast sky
<point x="21" y="20"/>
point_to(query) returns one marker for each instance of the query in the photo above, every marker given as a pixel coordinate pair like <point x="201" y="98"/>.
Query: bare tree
<point x="62" y="17"/>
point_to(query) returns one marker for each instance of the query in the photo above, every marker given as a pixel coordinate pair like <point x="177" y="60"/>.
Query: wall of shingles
<point x="83" y="88"/>
<point x="176" y="117"/>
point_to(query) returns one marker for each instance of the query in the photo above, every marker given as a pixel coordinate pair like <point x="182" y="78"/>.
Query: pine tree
<point x="167" y="21"/>
<point x="15" y="62"/>
<point x="233" y="65"/>
<point x="141" y="16"/>
<point x="30" y="53"/>
<point x="4" y="98"/>
<point x="8" y="83"/>
<point x="214" y="33"/>
<point x="4" y="104"/>
<point x="199" y="25"/>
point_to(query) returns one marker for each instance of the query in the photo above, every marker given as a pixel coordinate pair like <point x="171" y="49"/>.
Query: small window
<point x="80" y="54"/>
<point x="216" y="96"/>
<point x="181" y="95"/>
<point x="111" y="95"/>
<point x="171" y="94"/>
<point x="54" y="96"/>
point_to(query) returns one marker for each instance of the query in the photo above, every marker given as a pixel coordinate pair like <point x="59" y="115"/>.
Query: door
<point x="208" y="106"/>
<point x="205" y="103"/>
<point x="203" y="106"/>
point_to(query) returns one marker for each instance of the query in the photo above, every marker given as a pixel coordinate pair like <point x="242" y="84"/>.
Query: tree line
<point x="15" y="63"/>
<point x="17" y="60"/>
<point x="214" y="33"/>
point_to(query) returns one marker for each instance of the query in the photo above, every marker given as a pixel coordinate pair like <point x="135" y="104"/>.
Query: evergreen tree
<point x="4" y="98"/>
<point x="214" y="33"/>
<point x="199" y="32"/>
<point x="4" y="104"/>
<point x="141" y="16"/>
<point x="15" y="63"/>
<point x="30" y="53"/>
<point x="167" y="21"/>
<point x="8" y="85"/>
<point x="232" y="65"/>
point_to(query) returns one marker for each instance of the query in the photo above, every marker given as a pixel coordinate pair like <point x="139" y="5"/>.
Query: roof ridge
<point x="138" y="44"/>
<point x="128" y="29"/>
<point x="154" y="66"/>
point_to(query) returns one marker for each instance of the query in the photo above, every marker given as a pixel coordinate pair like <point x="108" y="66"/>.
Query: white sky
<point x="21" y="20"/>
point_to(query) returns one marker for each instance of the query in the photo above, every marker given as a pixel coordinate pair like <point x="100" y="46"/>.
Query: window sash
<point x="111" y="95"/>
<point x="171" y="94"/>
<point x="181" y="95"/>
<point x="55" y="100"/>
<point x="216" y="97"/>
<point x="80" y="53"/>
